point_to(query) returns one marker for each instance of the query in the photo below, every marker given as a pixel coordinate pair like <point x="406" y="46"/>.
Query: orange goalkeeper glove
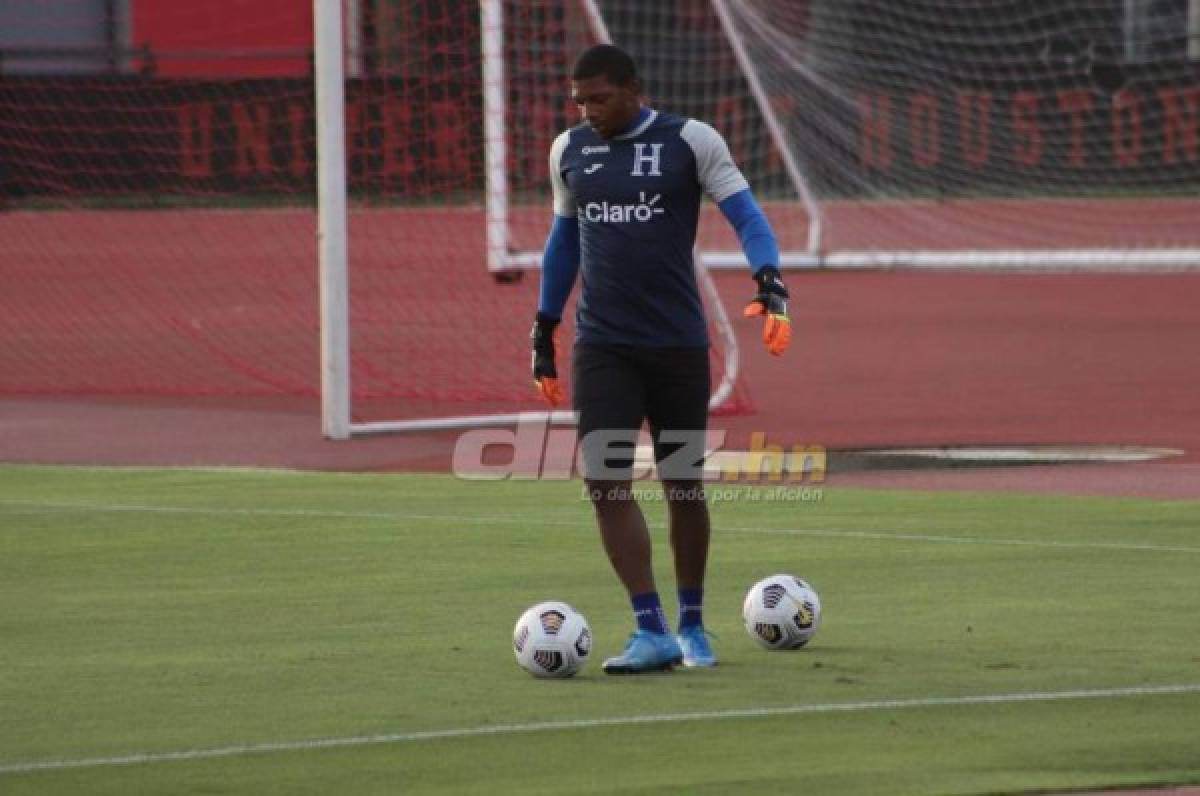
<point x="771" y="303"/>
<point x="545" y="372"/>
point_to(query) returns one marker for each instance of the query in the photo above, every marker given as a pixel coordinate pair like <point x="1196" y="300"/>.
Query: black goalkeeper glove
<point x="545" y="372"/>
<point x="771" y="303"/>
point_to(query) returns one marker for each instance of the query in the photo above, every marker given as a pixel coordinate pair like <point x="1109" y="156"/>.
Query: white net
<point x="987" y="125"/>
<point x="1003" y="133"/>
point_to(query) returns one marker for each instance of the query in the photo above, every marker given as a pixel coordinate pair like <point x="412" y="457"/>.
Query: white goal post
<point x="330" y="74"/>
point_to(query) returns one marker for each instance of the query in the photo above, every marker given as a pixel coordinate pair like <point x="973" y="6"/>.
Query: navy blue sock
<point x="691" y="607"/>
<point x="648" y="611"/>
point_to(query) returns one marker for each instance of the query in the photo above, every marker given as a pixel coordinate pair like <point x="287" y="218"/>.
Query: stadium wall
<point x="412" y="138"/>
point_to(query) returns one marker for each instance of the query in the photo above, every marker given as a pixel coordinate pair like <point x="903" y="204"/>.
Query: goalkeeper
<point x="627" y="186"/>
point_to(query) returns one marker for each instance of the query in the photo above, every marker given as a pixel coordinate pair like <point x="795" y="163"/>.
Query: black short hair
<point x="608" y="60"/>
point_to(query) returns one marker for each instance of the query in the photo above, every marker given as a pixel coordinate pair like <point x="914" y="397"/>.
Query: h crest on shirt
<point x="640" y="159"/>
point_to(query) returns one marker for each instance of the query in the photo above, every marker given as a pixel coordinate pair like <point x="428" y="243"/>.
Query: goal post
<point x="503" y="253"/>
<point x="332" y="244"/>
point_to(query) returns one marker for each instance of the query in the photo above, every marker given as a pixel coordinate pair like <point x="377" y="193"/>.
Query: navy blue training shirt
<point x="637" y="200"/>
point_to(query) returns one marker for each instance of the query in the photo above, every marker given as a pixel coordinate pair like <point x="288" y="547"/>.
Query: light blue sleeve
<point x="753" y="230"/>
<point x="560" y="266"/>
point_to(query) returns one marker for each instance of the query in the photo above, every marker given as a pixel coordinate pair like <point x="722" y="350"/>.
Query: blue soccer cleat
<point x="646" y="652"/>
<point x="696" y="649"/>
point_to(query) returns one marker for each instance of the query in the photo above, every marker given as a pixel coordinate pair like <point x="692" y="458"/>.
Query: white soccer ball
<point x="782" y="612"/>
<point x="552" y="639"/>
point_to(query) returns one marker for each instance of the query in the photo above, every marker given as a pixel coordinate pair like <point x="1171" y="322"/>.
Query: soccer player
<point x="627" y="189"/>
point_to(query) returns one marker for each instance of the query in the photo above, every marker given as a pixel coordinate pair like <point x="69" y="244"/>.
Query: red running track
<point x="228" y="300"/>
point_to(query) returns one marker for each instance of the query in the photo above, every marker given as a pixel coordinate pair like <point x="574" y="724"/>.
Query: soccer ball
<point x="782" y="612"/>
<point x="552" y="639"/>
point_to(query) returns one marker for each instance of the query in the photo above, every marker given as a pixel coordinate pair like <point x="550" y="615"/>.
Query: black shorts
<point x="617" y="387"/>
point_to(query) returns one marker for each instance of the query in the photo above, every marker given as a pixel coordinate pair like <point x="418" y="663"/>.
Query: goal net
<point x="930" y="134"/>
<point x="490" y="106"/>
<point x="159" y="173"/>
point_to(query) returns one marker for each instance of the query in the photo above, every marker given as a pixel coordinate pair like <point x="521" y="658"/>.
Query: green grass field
<point x="971" y="643"/>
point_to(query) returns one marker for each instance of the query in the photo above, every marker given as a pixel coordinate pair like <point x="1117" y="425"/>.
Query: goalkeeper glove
<point x="545" y="373"/>
<point x="771" y="302"/>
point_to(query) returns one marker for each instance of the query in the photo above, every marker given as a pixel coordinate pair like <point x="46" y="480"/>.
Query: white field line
<point x="43" y="507"/>
<point x="584" y="724"/>
<point x="920" y="537"/>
